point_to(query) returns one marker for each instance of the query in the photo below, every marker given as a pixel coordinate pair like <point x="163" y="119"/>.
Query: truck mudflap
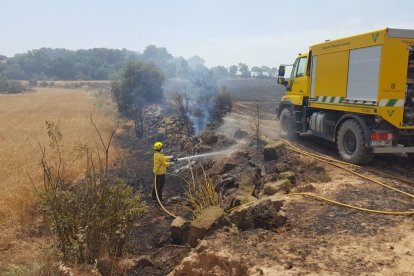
<point x="397" y="149"/>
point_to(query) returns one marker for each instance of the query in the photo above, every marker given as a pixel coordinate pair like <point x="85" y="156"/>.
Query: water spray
<point x="221" y="152"/>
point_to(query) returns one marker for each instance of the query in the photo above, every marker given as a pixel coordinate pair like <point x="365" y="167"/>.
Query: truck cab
<point x="297" y="86"/>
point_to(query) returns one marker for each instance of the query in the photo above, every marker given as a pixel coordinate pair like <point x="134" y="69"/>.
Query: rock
<point x="241" y="199"/>
<point x="211" y="219"/>
<point x="305" y="189"/>
<point x="266" y="213"/>
<point x="179" y="230"/>
<point x="282" y="167"/>
<point x="105" y="266"/>
<point x="144" y="261"/>
<point x="240" y="134"/>
<point x="225" y="184"/>
<point x="226" y="175"/>
<point x="128" y="265"/>
<point x="272" y="188"/>
<point x="208" y="138"/>
<point x="243" y="153"/>
<point x="317" y="172"/>
<point x="288" y="175"/>
<point x="117" y="266"/>
<point x="227" y="167"/>
<point x="269" y="178"/>
<point x="175" y="199"/>
<point x="162" y="241"/>
<point x="273" y="150"/>
<point x="230" y="192"/>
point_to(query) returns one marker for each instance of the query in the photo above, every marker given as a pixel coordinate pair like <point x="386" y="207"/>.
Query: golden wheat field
<point x="22" y="128"/>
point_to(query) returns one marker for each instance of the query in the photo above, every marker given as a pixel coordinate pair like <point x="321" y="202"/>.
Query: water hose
<point x="329" y="161"/>
<point x="158" y="199"/>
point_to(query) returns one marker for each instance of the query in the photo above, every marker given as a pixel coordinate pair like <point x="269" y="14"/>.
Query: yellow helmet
<point x="157" y="146"/>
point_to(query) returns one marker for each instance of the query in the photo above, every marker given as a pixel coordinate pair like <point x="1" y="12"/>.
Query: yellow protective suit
<point x="161" y="163"/>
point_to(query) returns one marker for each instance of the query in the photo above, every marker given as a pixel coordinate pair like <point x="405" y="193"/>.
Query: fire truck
<point x="357" y="92"/>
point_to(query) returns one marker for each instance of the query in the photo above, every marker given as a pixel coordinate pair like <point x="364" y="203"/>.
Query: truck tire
<point x="287" y="124"/>
<point x="351" y="143"/>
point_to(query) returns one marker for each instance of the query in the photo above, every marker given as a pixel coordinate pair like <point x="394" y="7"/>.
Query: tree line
<point x="106" y="64"/>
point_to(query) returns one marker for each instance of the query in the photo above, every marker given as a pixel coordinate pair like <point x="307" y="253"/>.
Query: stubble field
<point x="22" y="128"/>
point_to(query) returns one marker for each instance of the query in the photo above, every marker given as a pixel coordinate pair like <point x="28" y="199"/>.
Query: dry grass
<point x="22" y="124"/>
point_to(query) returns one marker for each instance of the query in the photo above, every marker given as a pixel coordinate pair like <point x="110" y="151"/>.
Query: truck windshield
<point x="299" y="68"/>
<point x="294" y="69"/>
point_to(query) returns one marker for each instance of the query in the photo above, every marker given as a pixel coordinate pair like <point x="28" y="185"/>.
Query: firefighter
<point x="161" y="163"/>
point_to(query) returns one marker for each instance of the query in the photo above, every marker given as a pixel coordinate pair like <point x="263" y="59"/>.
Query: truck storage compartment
<point x="363" y="74"/>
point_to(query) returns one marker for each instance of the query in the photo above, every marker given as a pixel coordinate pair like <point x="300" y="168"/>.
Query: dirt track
<point x="322" y="239"/>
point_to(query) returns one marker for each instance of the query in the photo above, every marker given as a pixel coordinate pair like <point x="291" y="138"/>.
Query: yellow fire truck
<point x="356" y="91"/>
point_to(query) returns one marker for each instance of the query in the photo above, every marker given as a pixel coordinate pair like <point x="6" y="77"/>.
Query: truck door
<point x="298" y="83"/>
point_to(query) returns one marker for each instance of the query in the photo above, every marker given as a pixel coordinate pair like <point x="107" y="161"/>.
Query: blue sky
<point x="225" y="32"/>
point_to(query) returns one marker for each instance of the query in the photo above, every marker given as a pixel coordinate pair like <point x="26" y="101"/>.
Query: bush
<point x="223" y="104"/>
<point x="92" y="217"/>
<point x="11" y="86"/>
<point x="43" y="84"/>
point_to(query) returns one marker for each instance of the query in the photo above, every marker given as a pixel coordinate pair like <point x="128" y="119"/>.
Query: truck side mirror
<point x="282" y="69"/>
<point x="282" y="81"/>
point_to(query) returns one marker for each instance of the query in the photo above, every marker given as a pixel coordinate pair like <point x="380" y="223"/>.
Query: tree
<point x="182" y="108"/>
<point x="257" y="72"/>
<point x="266" y="71"/>
<point x="219" y="72"/>
<point x="244" y="70"/>
<point x="140" y="84"/>
<point x="161" y="58"/>
<point x="274" y="72"/>
<point x="195" y="62"/>
<point x="182" y="67"/>
<point x="233" y="70"/>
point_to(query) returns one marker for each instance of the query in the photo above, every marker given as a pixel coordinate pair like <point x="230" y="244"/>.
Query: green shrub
<point x="92" y="217"/>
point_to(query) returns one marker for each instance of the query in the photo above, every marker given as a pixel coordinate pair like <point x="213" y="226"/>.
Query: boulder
<point x="241" y="199"/>
<point x="179" y="230"/>
<point x="273" y="150"/>
<point x="272" y="188"/>
<point x="266" y="213"/>
<point x="175" y="200"/>
<point x="269" y="178"/>
<point x="226" y="183"/>
<point x="211" y="219"/>
<point x="117" y="266"/>
<point x="240" y="134"/>
<point x="209" y="138"/>
<point x="282" y="167"/>
<point x="227" y="167"/>
<point x="288" y="175"/>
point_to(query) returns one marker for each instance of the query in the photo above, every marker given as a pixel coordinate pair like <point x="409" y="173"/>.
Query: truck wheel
<point x="287" y="124"/>
<point x="351" y="143"/>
